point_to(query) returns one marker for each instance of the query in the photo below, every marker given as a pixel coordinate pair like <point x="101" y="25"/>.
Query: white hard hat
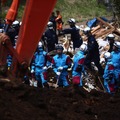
<point x="107" y="55"/>
<point x="20" y="23"/>
<point x="117" y="44"/>
<point x="87" y="29"/>
<point x="15" y="22"/>
<point x="71" y="20"/>
<point x="1" y="30"/>
<point x="40" y="44"/>
<point x="111" y="36"/>
<point x="50" y="24"/>
<point x="83" y="47"/>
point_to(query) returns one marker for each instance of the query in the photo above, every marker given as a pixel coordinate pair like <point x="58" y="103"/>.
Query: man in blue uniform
<point x="116" y="61"/>
<point x="78" y="65"/>
<point x="61" y="63"/>
<point x="109" y="74"/>
<point x="39" y="66"/>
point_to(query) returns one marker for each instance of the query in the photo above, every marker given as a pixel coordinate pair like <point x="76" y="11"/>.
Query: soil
<point x="22" y="102"/>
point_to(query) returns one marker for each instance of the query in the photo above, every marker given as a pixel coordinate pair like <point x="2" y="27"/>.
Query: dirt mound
<point x="21" y="102"/>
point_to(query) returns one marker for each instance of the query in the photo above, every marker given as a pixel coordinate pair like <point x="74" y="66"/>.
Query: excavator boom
<point x="36" y="15"/>
<point x="35" y="18"/>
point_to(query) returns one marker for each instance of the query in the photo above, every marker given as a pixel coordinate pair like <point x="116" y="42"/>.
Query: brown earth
<point x="21" y="102"/>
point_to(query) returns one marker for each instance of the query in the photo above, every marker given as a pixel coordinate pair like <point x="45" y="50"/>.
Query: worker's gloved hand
<point x="85" y="74"/>
<point x="45" y="68"/>
<point x="58" y="73"/>
<point x="60" y="68"/>
<point x="32" y="71"/>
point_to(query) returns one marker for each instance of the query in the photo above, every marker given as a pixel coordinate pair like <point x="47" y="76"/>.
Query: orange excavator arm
<point x="36" y="15"/>
<point x="35" y="18"/>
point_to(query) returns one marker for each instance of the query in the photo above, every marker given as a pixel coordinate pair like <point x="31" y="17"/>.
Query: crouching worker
<point x="39" y="66"/>
<point x="60" y="64"/>
<point x="109" y="76"/>
<point x="78" y="65"/>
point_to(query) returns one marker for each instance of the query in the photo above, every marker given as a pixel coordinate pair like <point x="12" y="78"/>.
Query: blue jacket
<point x="40" y="60"/>
<point x="109" y="69"/>
<point x="109" y="75"/>
<point x="78" y="63"/>
<point x="116" y="63"/>
<point x="61" y="61"/>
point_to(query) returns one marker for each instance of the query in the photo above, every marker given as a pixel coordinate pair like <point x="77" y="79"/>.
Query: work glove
<point x="60" y="68"/>
<point x="44" y="68"/>
<point x="85" y="74"/>
<point x="58" y="73"/>
<point x="32" y="71"/>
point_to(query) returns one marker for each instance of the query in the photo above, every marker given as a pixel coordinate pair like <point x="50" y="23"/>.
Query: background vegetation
<point x="81" y="10"/>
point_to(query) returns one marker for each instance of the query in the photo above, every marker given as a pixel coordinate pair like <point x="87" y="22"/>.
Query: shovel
<point x="56" y="84"/>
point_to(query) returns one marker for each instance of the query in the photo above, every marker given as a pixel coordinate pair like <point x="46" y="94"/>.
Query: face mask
<point x="40" y="49"/>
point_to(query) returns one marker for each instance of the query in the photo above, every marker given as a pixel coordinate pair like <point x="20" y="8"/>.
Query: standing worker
<point x="74" y="31"/>
<point x="61" y="63"/>
<point x="50" y="37"/>
<point x="116" y="61"/>
<point x="59" y="22"/>
<point x="78" y="65"/>
<point x="93" y="51"/>
<point x="109" y="74"/>
<point x="52" y="19"/>
<point x="39" y="66"/>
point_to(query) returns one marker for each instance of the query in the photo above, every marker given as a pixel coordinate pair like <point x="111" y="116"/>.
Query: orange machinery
<point x="36" y="15"/>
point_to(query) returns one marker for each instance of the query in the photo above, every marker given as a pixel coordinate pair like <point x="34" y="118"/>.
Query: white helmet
<point x="107" y="55"/>
<point x="50" y="25"/>
<point x="72" y="20"/>
<point x="15" y="22"/>
<point x="1" y="30"/>
<point x="110" y="36"/>
<point x="87" y="29"/>
<point x="40" y="45"/>
<point x="117" y="44"/>
<point x="83" y="47"/>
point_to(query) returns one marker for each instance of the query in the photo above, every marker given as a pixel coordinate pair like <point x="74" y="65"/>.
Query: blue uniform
<point x="78" y="67"/>
<point x="116" y="63"/>
<point x="61" y="61"/>
<point x="39" y="61"/>
<point x="109" y="76"/>
<point x="75" y="36"/>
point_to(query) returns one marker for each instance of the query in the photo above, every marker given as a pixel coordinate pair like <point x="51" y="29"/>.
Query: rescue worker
<point x="60" y="64"/>
<point x="78" y="65"/>
<point x="39" y="66"/>
<point x="50" y="37"/>
<point x="111" y="41"/>
<point x="74" y="31"/>
<point x="109" y="74"/>
<point x="59" y="22"/>
<point x="93" y="51"/>
<point x="13" y="31"/>
<point x="116" y="61"/>
<point x="52" y="19"/>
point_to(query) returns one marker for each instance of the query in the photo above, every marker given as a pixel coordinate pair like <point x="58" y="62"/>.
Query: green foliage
<point x="78" y="9"/>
